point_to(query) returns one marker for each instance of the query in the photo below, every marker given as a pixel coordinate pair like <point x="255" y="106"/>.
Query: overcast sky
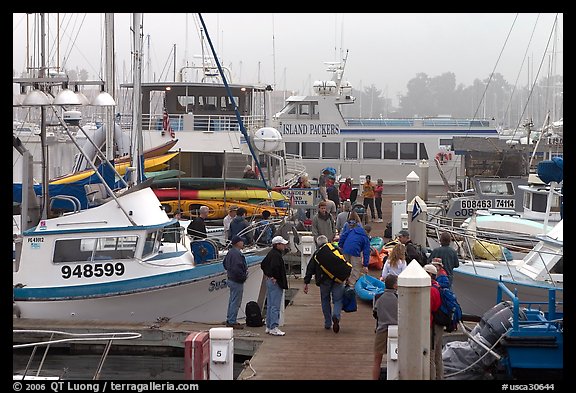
<point x="288" y="50"/>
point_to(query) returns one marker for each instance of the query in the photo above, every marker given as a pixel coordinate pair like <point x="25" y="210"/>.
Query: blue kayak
<point x="367" y="287"/>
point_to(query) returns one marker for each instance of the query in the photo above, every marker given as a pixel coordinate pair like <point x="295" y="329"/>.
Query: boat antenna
<point x="238" y="117"/>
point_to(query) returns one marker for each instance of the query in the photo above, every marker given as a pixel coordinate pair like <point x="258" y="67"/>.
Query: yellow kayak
<point x="150" y="164"/>
<point x="241" y="195"/>
<point x="218" y="209"/>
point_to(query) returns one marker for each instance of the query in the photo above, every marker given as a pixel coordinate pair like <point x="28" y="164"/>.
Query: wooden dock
<point x="308" y="351"/>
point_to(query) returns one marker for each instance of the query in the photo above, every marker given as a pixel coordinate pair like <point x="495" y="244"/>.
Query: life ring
<point x="443" y="158"/>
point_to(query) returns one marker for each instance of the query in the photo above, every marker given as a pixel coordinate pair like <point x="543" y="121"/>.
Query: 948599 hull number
<point x="93" y="270"/>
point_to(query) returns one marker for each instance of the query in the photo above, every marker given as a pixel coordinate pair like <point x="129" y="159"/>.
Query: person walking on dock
<point x="237" y="272"/>
<point x="386" y="313"/>
<point x="355" y="244"/>
<point x="378" y="198"/>
<point x="276" y="282"/>
<point x="323" y="223"/>
<point x="331" y="291"/>
<point x="436" y="331"/>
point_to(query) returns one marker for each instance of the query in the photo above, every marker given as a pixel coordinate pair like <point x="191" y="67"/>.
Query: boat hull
<point x="476" y="290"/>
<point x="202" y="300"/>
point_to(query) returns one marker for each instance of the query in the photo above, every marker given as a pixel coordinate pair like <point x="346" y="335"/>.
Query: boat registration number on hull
<point x="488" y="204"/>
<point x="95" y="270"/>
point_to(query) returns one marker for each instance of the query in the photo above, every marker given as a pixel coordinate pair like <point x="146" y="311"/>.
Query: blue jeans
<point x="331" y="289"/>
<point x="273" y="300"/>
<point x="236" y="291"/>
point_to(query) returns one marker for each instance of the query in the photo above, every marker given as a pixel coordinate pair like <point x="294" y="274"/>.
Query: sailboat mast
<point x="110" y="82"/>
<point x="136" y="136"/>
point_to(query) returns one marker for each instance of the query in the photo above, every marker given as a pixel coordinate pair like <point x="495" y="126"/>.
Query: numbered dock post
<point x="308" y="247"/>
<point x="392" y="353"/>
<point x="221" y="353"/>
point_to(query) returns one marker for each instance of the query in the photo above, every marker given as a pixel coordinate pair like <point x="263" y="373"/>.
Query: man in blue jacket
<point x="355" y="244"/>
<point x="237" y="269"/>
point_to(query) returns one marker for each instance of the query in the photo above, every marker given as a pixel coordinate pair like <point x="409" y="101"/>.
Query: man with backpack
<point x="237" y="271"/>
<point x="436" y="331"/>
<point x="331" y="283"/>
<point x="413" y="251"/>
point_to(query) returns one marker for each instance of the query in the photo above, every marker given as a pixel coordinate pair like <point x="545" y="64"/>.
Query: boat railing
<point x="552" y="316"/>
<point x="70" y="198"/>
<point x="466" y="239"/>
<point x="59" y="337"/>
<point x="193" y="122"/>
<point x="421" y="122"/>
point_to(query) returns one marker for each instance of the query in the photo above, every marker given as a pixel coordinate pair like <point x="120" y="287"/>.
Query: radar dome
<point x="267" y="139"/>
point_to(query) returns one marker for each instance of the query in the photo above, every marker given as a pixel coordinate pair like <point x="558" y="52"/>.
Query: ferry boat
<point x="314" y="128"/>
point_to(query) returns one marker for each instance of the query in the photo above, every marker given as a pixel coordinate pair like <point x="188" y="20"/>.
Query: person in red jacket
<point x="436" y="331"/>
<point x="345" y="190"/>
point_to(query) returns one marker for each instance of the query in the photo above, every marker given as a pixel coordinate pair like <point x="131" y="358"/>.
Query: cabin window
<point x="372" y="150"/>
<point x="187" y="102"/>
<point x="331" y="150"/>
<point x="390" y="151"/>
<point x="423" y="152"/>
<point x="351" y="150"/>
<point x="304" y="109"/>
<point x="408" y="151"/>
<point x="446" y="144"/>
<point x="94" y="249"/>
<point x="292" y="148"/>
<point x="537" y="202"/>
<point x="314" y="108"/>
<point x="151" y="244"/>
<point x="496" y="187"/>
<point x="292" y="110"/>
<point x="310" y="149"/>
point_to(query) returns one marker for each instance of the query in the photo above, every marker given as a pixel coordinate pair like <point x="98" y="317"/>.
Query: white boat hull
<point x="204" y="300"/>
<point x="476" y="291"/>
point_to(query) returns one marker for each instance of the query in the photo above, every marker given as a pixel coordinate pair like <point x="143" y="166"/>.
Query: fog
<point x="288" y="50"/>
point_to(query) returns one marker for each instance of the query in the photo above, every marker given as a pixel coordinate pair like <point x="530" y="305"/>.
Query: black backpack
<point x="253" y="314"/>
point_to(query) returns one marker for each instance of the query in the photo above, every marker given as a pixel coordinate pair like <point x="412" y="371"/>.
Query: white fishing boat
<point x="314" y="128"/>
<point x="110" y="262"/>
<point x="539" y="269"/>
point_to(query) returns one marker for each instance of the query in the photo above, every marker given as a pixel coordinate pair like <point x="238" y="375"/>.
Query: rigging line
<point x="519" y="71"/>
<point x="238" y="117"/>
<point x="494" y="69"/>
<point x="537" y="73"/>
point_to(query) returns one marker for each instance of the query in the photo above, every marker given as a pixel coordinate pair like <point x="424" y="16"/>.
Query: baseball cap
<point x="279" y="240"/>
<point x="430" y="269"/>
<point x="233" y="207"/>
<point x="236" y="239"/>
<point x="404" y="232"/>
<point x="437" y="261"/>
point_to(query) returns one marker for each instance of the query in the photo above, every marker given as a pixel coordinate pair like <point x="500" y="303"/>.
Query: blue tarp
<point x="75" y="189"/>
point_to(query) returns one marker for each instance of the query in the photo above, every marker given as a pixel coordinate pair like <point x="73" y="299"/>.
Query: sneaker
<point x="336" y="324"/>
<point x="267" y="331"/>
<point x="327" y="327"/>
<point x="276" y="332"/>
<point x="235" y="325"/>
